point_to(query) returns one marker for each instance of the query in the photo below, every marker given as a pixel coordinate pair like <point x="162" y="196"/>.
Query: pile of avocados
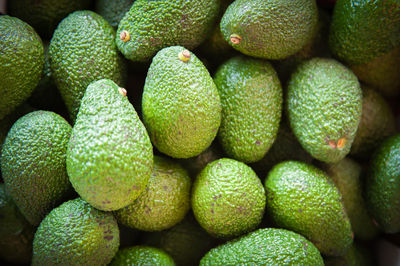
<point x="208" y="132"/>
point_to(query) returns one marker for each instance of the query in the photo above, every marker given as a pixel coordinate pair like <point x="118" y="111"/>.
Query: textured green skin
<point x="33" y="163"/>
<point x="113" y="11"/>
<point x="346" y="174"/>
<point x="155" y="24"/>
<point x="186" y="242"/>
<point x="270" y="29"/>
<point x="75" y="233"/>
<point x="165" y="200"/>
<point x="377" y="122"/>
<point x="356" y="255"/>
<point x="383" y="185"/>
<point x="286" y="147"/>
<point x="302" y="198"/>
<point x="324" y="102"/>
<point x="180" y="104"/>
<point x="16" y="233"/>
<point x="382" y="72"/>
<point x="21" y="62"/>
<point x="228" y="199"/>
<point x="82" y="50"/>
<point x="363" y="30"/>
<point x="269" y="246"/>
<point x="251" y="100"/>
<point x="44" y="15"/>
<point x="142" y="256"/>
<point x="109" y="156"/>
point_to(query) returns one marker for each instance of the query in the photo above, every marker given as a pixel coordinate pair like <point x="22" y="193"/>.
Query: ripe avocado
<point x="268" y="246"/>
<point x="180" y="105"/>
<point x="272" y="29"/>
<point x="228" y="199"/>
<point x="324" y="102"/>
<point x="382" y="188"/>
<point x="151" y="25"/>
<point x="21" y="62"/>
<point x="142" y="255"/>
<point x="75" y="233"/>
<point x="82" y="50"/>
<point x="302" y="198"/>
<point x="165" y="200"/>
<point x="251" y="100"/>
<point x="109" y="155"/>
<point x="33" y="163"/>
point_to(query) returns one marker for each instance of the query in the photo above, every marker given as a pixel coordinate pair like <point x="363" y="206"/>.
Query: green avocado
<point x="109" y="155"/>
<point x="151" y="25"/>
<point x="382" y="187"/>
<point x="324" y="102"/>
<point x="228" y="198"/>
<point x="251" y="100"/>
<point x="273" y="29"/>
<point x="21" y="62"/>
<point x="33" y="163"/>
<point x="75" y="233"/>
<point x="302" y="198"/>
<point x="82" y="50"/>
<point x="142" y="255"/>
<point x="113" y="11"/>
<point x="268" y="246"/>
<point x="180" y="105"/>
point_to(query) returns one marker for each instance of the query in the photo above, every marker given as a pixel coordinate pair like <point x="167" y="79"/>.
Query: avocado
<point x="75" y="233"/>
<point x="267" y="246"/>
<point x="21" y="62"/>
<point x="347" y="176"/>
<point x="33" y="163"/>
<point x="109" y="155"/>
<point x="302" y="198"/>
<point x="180" y="104"/>
<point x="82" y="50"/>
<point x="382" y="187"/>
<point x="228" y="199"/>
<point x="324" y="102"/>
<point x="377" y="122"/>
<point x="366" y="36"/>
<point x="186" y="242"/>
<point x="113" y="11"/>
<point x="151" y="25"/>
<point x="16" y="233"/>
<point x="272" y="29"/>
<point x="251" y="100"/>
<point x="142" y="255"/>
<point x="44" y="15"/>
<point x="165" y="200"/>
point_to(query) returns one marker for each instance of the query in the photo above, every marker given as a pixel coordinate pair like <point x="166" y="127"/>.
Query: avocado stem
<point x="184" y="55"/>
<point x="235" y="38"/>
<point x="124" y="36"/>
<point x="122" y="91"/>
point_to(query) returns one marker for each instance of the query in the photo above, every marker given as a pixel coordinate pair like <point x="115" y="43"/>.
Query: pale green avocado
<point x="142" y="256"/>
<point x="109" y="156"/>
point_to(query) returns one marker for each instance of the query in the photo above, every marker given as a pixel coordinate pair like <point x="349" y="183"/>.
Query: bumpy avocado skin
<point x="16" y="233"/>
<point x="142" y="255"/>
<point x="21" y="62"/>
<point x="153" y="25"/>
<point x="268" y="246"/>
<point x="346" y="174"/>
<point x="33" y="163"/>
<point x="302" y="198"/>
<point x="44" y="15"/>
<point x="82" y="50"/>
<point x="109" y="155"/>
<point x="324" y="102"/>
<point x="270" y="29"/>
<point x="251" y="100"/>
<point x="75" y="233"/>
<point x="383" y="185"/>
<point x="180" y="105"/>
<point x="377" y="122"/>
<point x="165" y="200"/>
<point x="113" y="11"/>
<point x="228" y="199"/>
